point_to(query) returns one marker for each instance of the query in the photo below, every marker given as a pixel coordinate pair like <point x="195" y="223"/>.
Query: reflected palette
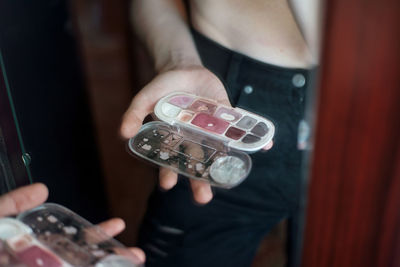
<point x="53" y="236"/>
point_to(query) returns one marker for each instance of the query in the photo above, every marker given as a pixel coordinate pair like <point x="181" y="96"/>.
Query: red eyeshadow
<point x="37" y="257"/>
<point x="234" y="133"/>
<point x="210" y="123"/>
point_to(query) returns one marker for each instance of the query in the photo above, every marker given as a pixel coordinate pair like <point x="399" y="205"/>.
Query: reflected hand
<point x="22" y="199"/>
<point x="31" y="196"/>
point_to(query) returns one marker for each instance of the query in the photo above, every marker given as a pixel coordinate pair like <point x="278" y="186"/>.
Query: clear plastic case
<point x="53" y="236"/>
<point x="238" y="128"/>
<point x="9" y="229"/>
<point x="186" y="151"/>
<point x="202" y="139"/>
<point x="7" y="259"/>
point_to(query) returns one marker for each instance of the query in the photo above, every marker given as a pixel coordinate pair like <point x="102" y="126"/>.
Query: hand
<point x="115" y="226"/>
<point x="22" y="199"/>
<point x="31" y="196"/>
<point x="195" y="80"/>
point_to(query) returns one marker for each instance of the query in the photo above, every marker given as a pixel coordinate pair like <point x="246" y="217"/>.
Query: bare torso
<point x="262" y="29"/>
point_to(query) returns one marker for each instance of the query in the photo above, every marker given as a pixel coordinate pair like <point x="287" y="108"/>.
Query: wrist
<point x="178" y="59"/>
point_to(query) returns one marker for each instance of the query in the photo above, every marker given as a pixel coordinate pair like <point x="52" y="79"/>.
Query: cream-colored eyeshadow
<point x="227" y="116"/>
<point x="170" y="110"/>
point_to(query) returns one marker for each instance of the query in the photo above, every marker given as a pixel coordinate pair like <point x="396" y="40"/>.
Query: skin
<point x="266" y="30"/>
<point x="28" y="197"/>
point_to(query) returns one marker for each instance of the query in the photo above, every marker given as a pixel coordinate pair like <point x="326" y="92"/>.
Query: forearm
<point x="163" y="29"/>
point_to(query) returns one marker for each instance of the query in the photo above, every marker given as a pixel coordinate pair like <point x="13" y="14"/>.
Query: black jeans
<point x="227" y="231"/>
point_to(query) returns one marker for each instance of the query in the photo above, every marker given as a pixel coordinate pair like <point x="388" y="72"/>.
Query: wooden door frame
<point x="353" y="210"/>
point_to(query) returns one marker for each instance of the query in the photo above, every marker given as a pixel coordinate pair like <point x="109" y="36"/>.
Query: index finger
<point x="22" y="199"/>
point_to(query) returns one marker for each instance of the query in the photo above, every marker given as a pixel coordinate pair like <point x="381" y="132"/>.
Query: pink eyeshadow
<point x="181" y="101"/>
<point x="37" y="257"/>
<point x="228" y="114"/>
<point x="210" y="123"/>
<point x="204" y="107"/>
<point x="234" y="133"/>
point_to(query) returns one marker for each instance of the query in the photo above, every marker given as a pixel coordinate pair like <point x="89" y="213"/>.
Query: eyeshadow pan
<point x="185" y="116"/>
<point x="210" y="123"/>
<point x="34" y="256"/>
<point x="203" y="106"/>
<point x="248" y="139"/>
<point x="260" y="129"/>
<point x="20" y="243"/>
<point x="170" y="110"/>
<point x="228" y="114"/>
<point x="246" y="122"/>
<point x="234" y="133"/>
<point x="10" y="227"/>
<point x="182" y="101"/>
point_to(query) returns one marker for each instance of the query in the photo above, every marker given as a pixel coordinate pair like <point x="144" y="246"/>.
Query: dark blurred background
<point x="73" y="67"/>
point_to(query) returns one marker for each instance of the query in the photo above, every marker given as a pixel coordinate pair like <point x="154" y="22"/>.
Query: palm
<point x="196" y="80"/>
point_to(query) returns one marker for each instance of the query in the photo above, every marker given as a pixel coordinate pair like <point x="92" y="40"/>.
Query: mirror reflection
<point x="233" y="80"/>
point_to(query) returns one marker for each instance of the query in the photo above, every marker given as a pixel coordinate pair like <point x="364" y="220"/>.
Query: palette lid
<point x="191" y="154"/>
<point x="238" y="128"/>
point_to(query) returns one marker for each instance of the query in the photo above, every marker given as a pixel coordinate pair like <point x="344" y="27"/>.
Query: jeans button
<point x="248" y="89"/>
<point x="299" y="80"/>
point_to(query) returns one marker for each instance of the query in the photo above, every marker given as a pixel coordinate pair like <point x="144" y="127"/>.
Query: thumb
<point x="140" y="107"/>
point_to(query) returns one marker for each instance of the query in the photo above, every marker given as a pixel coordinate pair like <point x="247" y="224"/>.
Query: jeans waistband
<point x="220" y="60"/>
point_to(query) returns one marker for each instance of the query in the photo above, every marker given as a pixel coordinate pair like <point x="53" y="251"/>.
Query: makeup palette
<point x="20" y="248"/>
<point x="202" y="139"/>
<point x="186" y="152"/>
<point x="236" y="127"/>
<point x="53" y="236"/>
